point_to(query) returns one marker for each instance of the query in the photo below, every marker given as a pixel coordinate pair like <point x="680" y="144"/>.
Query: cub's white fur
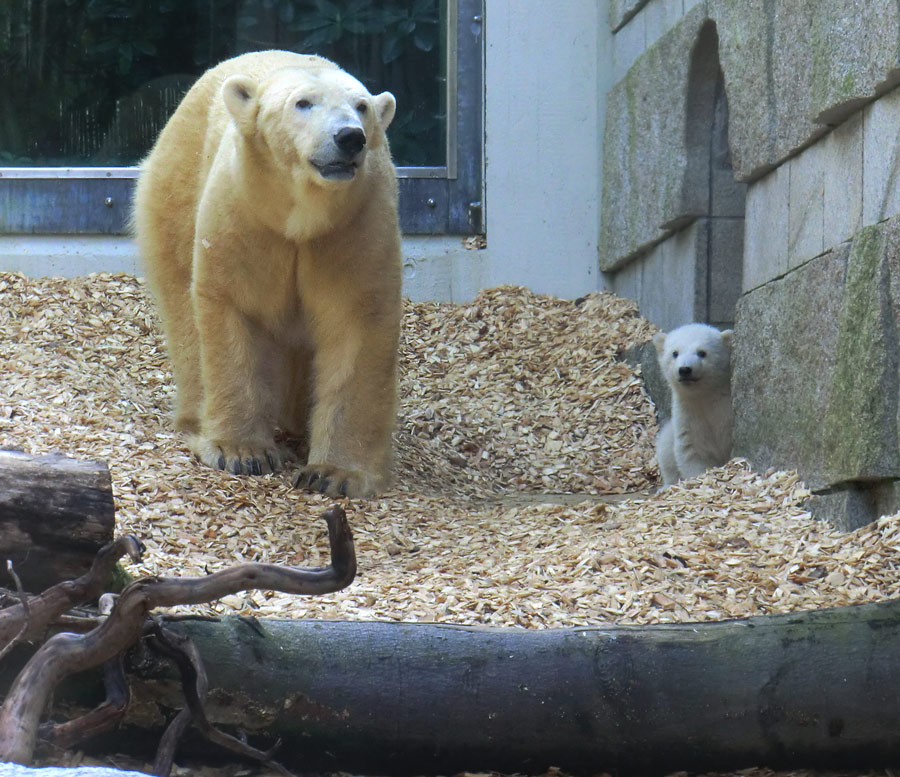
<point x="696" y="362"/>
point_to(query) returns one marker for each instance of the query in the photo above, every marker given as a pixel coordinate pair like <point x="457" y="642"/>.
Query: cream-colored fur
<point x="273" y="252"/>
<point x="696" y="362"/>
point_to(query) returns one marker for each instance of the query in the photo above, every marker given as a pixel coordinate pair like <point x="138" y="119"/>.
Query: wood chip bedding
<point x="503" y="401"/>
<point x="514" y="393"/>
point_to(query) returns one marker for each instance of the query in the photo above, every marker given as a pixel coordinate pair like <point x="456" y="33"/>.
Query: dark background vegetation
<point x="91" y="82"/>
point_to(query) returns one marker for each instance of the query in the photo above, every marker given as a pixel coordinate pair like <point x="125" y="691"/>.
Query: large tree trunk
<point x="55" y="514"/>
<point x="810" y="689"/>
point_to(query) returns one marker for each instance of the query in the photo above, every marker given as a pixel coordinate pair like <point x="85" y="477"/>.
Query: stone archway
<point x="680" y="254"/>
<point x="710" y="178"/>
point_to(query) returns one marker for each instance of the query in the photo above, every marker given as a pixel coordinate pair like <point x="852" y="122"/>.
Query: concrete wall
<point x="822" y="196"/>
<point x="438" y="268"/>
<point x="543" y="111"/>
<point x="672" y="210"/>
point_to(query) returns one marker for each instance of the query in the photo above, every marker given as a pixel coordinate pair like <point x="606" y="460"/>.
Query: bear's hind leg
<point x="184" y="350"/>
<point x="171" y="286"/>
<point x="295" y="389"/>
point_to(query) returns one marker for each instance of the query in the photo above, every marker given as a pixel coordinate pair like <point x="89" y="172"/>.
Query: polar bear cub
<point x="696" y="362"/>
<point x="266" y="215"/>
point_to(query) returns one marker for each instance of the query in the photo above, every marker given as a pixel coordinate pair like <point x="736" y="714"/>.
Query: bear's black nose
<point x="684" y="372"/>
<point x="350" y="140"/>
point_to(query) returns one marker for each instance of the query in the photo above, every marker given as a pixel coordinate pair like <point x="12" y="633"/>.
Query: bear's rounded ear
<point x="728" y="337"/>
<point x="239" y="93"/>
<point x="385" y="106"/>
<point x="659" y="342"/>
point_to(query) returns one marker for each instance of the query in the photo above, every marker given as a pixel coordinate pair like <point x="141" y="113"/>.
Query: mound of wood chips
<point x="524" y="393"/>
<point x="524" y="474"/>
<point x="507" y="404"/>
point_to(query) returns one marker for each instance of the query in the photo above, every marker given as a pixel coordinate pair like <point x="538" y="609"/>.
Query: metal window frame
<point x="433" y="200"/>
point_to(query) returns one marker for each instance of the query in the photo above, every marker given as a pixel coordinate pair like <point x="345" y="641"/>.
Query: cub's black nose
<point x="684" y="372"/>
<point x="350" y="140"/>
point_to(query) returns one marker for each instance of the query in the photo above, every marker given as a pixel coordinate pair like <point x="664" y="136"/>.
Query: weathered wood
<point x="37" y="615"/>
<point x="66" y="653"/>
<point x="55" y="514"/>
<point x="805" y="690"/>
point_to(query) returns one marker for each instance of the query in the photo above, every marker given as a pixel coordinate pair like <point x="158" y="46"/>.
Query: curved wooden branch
<point x="26" y="611"/>
<point x="183" y="652"/>
<point x="169" y="591"/>
<point x="102" y="718"/>
<point x="165" y="752"/>
<point x="65" y="654"/>
<point x="21" y="622"/>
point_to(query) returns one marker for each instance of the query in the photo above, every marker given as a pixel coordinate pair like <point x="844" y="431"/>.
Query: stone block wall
<point x="817" y="374"/>
<point x="822" y="196"/>
<point x="641" y="23"/>
<point x="751" y="158"/>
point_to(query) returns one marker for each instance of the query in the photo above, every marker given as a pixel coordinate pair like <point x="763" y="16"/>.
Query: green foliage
<point x="399" y="26"/>
<point x="387" y="45"/>
<point x="93" y="81"/>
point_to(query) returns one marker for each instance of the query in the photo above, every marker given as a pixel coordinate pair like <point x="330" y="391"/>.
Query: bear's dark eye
<point x="303" y="103"/>
<point x="362" y="107"/>
<point x="674" y="354"/>
<point x="701" y="354"/>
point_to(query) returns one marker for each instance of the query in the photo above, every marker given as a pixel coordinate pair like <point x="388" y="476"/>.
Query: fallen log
<point x="813" y="689"/>
<point x="55" y="515"/>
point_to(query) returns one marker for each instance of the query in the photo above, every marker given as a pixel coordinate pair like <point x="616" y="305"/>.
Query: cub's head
<point x="319" y="123"/>
<point x="694" y="355"/>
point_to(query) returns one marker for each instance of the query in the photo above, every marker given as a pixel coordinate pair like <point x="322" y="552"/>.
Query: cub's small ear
<point x="728" y="337"/>
<point x="385" y="107"/>
<point x="659" y="342"/>
<point x="239" y="93"/>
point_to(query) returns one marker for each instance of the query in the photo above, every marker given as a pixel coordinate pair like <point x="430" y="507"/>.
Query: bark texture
<point x="128" y="620"/>
<point x="811" y="689"/>
<point x="55" y="515"/>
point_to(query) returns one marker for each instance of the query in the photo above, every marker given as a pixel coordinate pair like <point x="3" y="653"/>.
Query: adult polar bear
<point x="266" y="215"/>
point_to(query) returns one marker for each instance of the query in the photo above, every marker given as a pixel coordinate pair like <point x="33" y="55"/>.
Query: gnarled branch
<point x="64" y="654"/>
<point x="194" y="683"/>
<point x="43" y="609"/>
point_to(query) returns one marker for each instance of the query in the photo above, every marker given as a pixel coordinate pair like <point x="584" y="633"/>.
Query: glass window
<point x="88" y="84"/>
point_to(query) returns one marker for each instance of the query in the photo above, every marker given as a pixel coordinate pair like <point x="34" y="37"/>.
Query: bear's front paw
<point x="240" y="459"/>
<point x="334" y="481"/>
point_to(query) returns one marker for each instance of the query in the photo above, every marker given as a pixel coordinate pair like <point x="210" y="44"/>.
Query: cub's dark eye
<point x="362" y="107"/>
<point x="674" y="354"/>
<point x="701" y="354"/>
<point x="303" y="103"/>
